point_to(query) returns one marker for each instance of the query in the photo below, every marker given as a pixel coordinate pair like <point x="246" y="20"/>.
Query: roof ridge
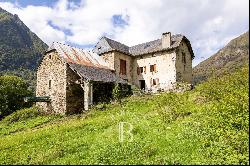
<point x="175" y="35"/>
<point x="115" y="41"/>
<point x="71" y="46"/>
<point x="144" y="43"/>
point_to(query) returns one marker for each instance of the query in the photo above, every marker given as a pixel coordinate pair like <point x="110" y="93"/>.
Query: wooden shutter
<point x="122" y="67"/>
<point x="141" y="69"/>
<point x="151" y="68"/>
<point x="138" y="70"/>
<point x="151" y="81"/>
<point x="154" y="67"/>
<point x="157" y="81"/>
<point x="125" y="67"/>
<point x="145" y="69"/>
<point x="154" y="82"/>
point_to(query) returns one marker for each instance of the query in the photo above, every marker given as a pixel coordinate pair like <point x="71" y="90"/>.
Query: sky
<point x="208" y="24"/>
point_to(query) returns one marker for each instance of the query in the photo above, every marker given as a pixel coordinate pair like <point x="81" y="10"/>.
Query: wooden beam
<point x="37" y="99"/>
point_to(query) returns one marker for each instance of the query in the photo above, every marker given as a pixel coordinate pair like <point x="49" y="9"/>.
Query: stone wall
<point x="169" y="67"/>
<point x="109" y="59"/>
<point x="113" y="61"/>
<point x="129" y="67"/>
<point x="183" y="70"/>
<point x="52" y="70"/>
<point x="165" y="73"/>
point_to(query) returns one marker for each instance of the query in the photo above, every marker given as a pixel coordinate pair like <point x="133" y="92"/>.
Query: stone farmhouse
<point x="73" y="79"/>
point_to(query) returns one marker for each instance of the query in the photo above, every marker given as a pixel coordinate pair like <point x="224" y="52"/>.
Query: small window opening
<point x="154" y="81"/>
<point x="49" y="84"/>
<point x="153" y="68"/>
<point x="183" y="58"/>
<point x="141" y="69"/>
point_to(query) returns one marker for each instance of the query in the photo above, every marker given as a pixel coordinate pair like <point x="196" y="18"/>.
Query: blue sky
<point x="208" y="24"/>
<point x="25" y="3"/>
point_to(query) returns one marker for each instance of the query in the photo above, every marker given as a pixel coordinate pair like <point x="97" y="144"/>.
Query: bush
<point x="12" y="91"/>
<point x="22" y="114"/>
<point x="117" y="93"/>
<point x="120" y="91"/>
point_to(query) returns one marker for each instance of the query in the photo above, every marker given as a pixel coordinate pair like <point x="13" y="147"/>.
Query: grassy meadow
<point x="208" y="125"/>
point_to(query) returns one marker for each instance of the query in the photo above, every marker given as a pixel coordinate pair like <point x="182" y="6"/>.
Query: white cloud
<point x="209" y="24"/>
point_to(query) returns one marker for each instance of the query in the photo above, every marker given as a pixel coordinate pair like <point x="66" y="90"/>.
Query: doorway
<point x="142" y="84"/>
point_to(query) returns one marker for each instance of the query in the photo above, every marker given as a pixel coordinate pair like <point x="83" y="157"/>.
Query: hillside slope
<point x="20" y="49"/>
<point x="234" y="55"/>
<point x="208" y="125"/>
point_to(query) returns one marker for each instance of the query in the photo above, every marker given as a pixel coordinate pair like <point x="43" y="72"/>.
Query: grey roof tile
<point x="105" y="45"/>
<point x="95" y="73"/>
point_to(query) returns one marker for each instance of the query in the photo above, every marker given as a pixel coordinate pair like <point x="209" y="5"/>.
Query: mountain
<point x="234" y="55"/>
<point x="20" y="49"/>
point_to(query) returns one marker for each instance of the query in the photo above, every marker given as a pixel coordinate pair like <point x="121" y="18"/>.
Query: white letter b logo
<point x="121" y="131"/>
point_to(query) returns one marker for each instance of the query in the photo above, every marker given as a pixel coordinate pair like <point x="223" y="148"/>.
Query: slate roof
<point x="95" y="74"/>
<point x="105" y="45"/>
<point x="86" y="64"/>
<point x="117" y="45"/>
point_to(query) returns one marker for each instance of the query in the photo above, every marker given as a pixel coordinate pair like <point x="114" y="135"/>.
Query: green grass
<point x="208" y="125"/>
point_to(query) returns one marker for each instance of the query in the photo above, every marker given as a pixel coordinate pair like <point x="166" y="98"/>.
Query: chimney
<point x="166" y="40"/>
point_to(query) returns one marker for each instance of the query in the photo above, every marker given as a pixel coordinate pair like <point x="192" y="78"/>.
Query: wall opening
<point x="49" y="84"/>
<point x="153" y="68"/>
<point x="75" y="98"/>
<point x="183" y="58"/>
<point x="142" y="84"/>
<point x="102" y="92"/>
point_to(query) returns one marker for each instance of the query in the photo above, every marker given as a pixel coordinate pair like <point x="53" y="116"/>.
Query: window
<point x="49" y="56"/>
<point x="153" y="68"/>
<point x="183" y="58"/>
<point x="155" y="81"/>
<point x="49" y="84"/>
<point x="141" y="69"/>
<point x="122" y="67"/>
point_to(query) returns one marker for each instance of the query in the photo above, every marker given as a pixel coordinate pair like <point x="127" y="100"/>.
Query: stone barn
<point x="73" y="79"/>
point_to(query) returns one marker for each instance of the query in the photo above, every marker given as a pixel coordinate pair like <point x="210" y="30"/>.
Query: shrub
<point x="117" y="93"/>
<point x="120" y="91"/>
<point x="22" y="114"/>
<point x="12" y="91"/>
